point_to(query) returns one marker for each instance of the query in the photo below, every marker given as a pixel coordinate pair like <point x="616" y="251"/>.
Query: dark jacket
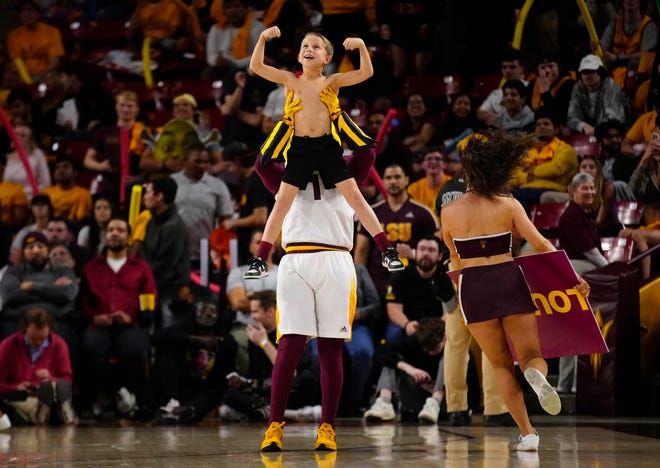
<point x="59" y="300"/>
<point x="167" y="250"/>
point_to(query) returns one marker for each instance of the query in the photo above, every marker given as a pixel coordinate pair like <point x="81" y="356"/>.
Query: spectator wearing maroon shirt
<point x="404" y="222"/>
<point x="36" y="361"/>
<point x="578" y="234"/>
<point x="113" y="284"/>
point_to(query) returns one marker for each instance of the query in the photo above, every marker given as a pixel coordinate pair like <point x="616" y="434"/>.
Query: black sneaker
<point x="257" y="268"/>
<point x="460" y="418"/>
<point x="391" y="260"/>
<point x="185" y="414"/>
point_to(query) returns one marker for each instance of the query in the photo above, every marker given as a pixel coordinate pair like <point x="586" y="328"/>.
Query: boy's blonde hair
<point x="127" y="95"/>
<point x="330" y="50"/>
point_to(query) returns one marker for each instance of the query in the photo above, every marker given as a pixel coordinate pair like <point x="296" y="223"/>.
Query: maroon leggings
<point x="289" y="351"/>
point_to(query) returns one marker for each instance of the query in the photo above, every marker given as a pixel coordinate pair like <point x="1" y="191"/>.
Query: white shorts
<point x="316" y="294"/>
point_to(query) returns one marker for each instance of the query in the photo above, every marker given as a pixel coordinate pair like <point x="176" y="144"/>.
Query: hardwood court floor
<point x="566" y="441"/>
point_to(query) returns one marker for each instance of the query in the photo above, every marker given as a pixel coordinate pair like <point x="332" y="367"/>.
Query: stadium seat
<point x="158" y="118"/>
<point x="555" y="241"/>
<point x="89" y="36"/>
<point x="207" y="93"/>
<point x="216" y="119"/>
<point x="584" y="144"/>
<point x="617" y="249"/>
<point x="545" y="217"/>
<point x="484" y="84"/>
<point x="431" y="86"/>
<point x="629" y="213"/>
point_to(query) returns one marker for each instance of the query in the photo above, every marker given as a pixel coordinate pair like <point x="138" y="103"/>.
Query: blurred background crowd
<point x="106" y="95"/>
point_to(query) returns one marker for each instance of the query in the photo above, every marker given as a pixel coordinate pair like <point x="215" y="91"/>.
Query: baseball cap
<point x="590" y="62"/>
<point x="33" y="237"/>
<point x="185" y="97"/>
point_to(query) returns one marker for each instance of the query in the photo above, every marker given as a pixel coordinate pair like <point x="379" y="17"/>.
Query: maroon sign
<point x="566" y="323"/>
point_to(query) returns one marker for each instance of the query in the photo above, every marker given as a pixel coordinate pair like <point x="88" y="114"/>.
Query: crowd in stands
<point x="103" y="313"/>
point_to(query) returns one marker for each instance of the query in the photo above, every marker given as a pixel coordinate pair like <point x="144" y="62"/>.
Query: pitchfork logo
<point x="596" y="358"/>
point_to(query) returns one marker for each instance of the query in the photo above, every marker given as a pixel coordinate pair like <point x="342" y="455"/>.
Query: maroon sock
<point x="381" y="241"/>
<point x="264" y="249"/>
<point x="289" y="351"/>
<point x="332" y="377"/>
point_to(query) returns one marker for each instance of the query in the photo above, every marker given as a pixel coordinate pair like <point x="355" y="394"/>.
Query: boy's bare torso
<point x="313" y="119"/>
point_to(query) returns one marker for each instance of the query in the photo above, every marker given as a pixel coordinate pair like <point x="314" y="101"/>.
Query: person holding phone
<point x="36" y="361"/>
<point x="645" y="179"/>
<point x="247" y="397"/>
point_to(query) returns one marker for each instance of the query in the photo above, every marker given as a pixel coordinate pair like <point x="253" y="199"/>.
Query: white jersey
<point x="319" y="216"/>
<point x="316" y="281"/>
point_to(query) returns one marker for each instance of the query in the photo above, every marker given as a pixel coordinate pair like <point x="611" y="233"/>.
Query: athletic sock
<point x="332" y="377"/>
<point x="381" y="241"/>
<point x="264" y="249"/>
<point x="289" y="352"/>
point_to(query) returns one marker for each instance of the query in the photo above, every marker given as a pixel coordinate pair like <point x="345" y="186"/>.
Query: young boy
<point x="313" y="148"/>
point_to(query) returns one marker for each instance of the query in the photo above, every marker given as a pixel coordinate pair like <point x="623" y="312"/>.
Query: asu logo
<point x="389" y="294"/>
<point x="398" y="232"/>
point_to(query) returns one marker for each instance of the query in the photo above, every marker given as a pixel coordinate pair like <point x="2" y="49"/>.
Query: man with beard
<point x="36" y="283"/>
<point x="404" y="222"/>
<point x="548" y="165"/>
<point x="114" y="285"/>
<point x="422" y="290"/>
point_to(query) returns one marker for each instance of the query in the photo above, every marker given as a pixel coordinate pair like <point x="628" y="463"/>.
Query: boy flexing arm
<point x="313" y="147"/>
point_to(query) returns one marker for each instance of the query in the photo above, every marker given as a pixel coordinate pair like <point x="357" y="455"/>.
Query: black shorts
<point x="323" y="154"/>
<point x="493" y="291"/>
